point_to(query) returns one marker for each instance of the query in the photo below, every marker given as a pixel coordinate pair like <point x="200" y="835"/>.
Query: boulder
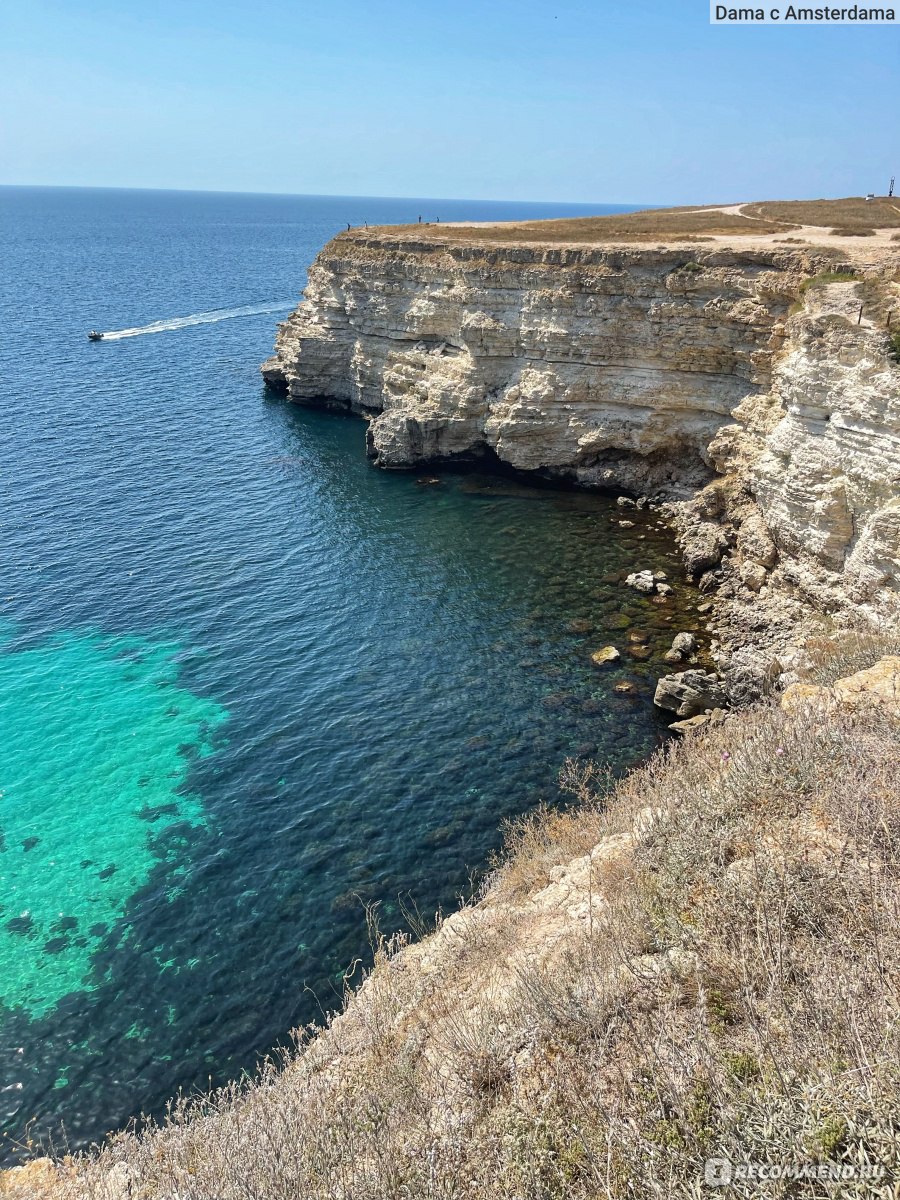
<point x="641" y="581"/>
<point x="753" y="575"/>
<point x="684" y="643"/>
<point x="689" y="725"/>
<point x="754" y="541"/>
<point x="608" y="654"/>
<point x="687" y="693"/>
<point x="683" y="646"/>
<point x="704" y="546"/>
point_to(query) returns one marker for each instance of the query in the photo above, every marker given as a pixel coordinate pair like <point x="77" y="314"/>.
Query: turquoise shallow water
<point x="248" y="683"/>
<point x="85" y="821"/>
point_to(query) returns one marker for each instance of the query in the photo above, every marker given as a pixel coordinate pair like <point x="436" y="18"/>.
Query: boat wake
<point x="203" y="318"/>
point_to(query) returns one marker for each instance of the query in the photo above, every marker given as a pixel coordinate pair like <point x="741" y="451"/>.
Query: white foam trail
<point x="204" y="318"/>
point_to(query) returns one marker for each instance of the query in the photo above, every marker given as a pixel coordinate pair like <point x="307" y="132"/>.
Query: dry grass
<point x="850" y="217"/>
<point x="731" y="992"/>
<point x="653" y="225"/>
<point x="850" y="214"/>
<point x="847" y="652"/>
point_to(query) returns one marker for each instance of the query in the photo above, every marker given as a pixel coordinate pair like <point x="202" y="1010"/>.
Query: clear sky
<point x="640" y="101"/>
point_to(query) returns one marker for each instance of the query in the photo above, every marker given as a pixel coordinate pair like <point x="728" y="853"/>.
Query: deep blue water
<point x="248" y="682"/>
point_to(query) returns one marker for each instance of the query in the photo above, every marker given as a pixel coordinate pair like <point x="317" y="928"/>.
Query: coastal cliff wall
<point x="610" y="367"/>
<point x="706" y="377"/>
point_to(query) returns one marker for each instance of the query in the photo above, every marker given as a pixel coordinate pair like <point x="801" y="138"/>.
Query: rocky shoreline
<point x="727" y="387"/>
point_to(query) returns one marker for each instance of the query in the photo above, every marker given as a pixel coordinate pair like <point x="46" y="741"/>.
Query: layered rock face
<point x="823" y="463"/>
<point x="611" y="367"/>
<point x="676" y="372"/>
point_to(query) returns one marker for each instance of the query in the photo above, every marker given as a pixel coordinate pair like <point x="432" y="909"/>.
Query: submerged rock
<point x="640" y="652"/>
<point x="580" y="625"/>
<point x="608" y="654"/>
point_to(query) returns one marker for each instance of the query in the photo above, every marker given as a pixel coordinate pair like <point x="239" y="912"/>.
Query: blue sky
<point x="640" y="101"/>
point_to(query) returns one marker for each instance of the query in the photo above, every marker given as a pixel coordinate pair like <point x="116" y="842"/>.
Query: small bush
<point x="852" y="232"/>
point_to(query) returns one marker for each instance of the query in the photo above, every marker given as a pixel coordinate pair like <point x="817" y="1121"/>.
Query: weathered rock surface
<point x="684" y="644"/>
<point x="610" y="366"/>
<point x="641" y="581"/>
<point x="689" y="693"/>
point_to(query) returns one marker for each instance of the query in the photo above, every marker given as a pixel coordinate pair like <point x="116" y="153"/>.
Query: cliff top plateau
<point x="856" y="227"/>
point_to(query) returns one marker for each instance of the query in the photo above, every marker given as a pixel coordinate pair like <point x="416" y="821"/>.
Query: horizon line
<point x="89" y="187"/>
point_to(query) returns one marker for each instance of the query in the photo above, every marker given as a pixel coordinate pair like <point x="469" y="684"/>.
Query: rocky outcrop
<point x="607" y="366"/>
<point x="689" y="693"/>
<point x="820" y="455"/>
<point x="683" y="374"/>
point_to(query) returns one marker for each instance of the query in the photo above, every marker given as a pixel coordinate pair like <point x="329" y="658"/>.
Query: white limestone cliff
<point x="677" y="372"/>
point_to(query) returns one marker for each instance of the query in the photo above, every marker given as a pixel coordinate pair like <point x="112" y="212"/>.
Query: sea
<point x="256" y="695"/>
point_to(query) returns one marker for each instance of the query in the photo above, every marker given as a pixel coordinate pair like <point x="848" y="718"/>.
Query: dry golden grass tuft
<point x="700" y="961"/>
<point x="850" y="214"/>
